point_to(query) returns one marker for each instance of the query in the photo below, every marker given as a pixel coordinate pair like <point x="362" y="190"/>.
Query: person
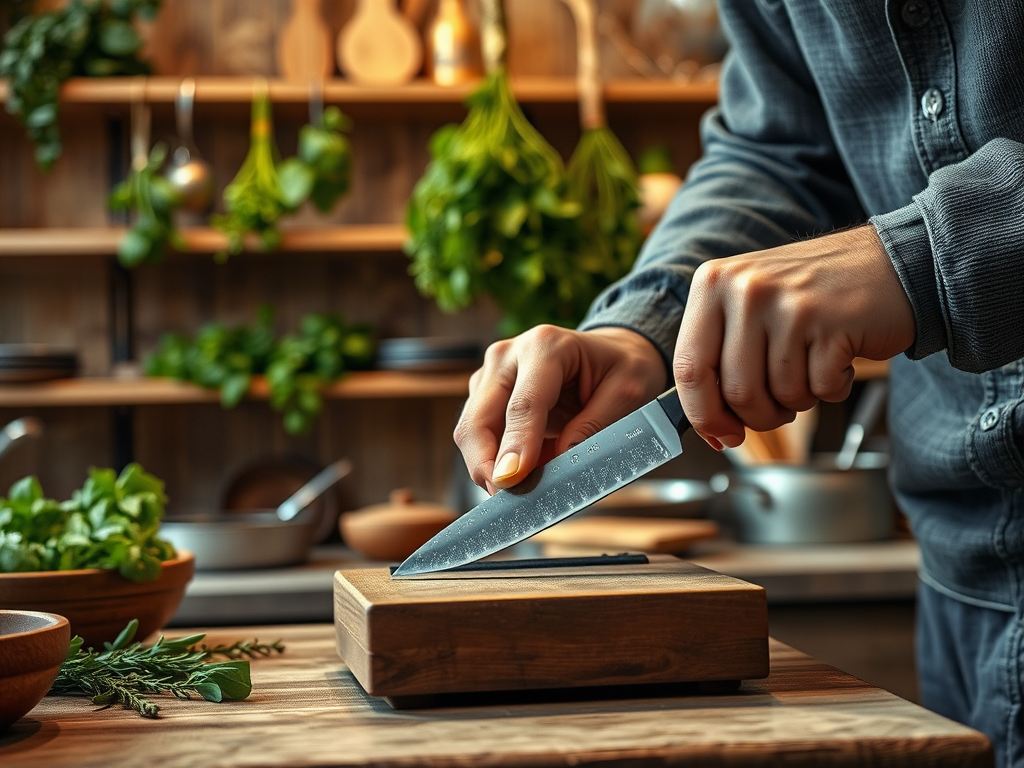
<point x="860" y="193"/>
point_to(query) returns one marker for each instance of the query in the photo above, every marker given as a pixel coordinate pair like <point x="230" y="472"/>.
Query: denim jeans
<point x="971" y="666"/>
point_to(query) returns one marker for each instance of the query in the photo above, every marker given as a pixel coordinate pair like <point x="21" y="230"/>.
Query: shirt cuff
<point x="905" y="237"/>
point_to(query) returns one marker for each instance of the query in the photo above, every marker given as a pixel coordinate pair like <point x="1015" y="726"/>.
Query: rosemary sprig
<point x="126" y="673"/>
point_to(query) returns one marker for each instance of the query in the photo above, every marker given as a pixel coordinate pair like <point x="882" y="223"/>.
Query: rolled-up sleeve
<point x="958" y="249"/>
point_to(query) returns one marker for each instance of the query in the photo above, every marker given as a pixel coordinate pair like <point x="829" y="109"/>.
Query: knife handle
<point x="669" y="402"/>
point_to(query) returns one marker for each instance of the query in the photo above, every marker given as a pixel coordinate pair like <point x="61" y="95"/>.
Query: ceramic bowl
<point x="32" y="647"/>
<point x="97" y="603"/>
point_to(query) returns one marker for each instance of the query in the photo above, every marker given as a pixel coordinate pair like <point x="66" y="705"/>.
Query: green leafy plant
<point x="154" y="200"/>
<point x="219" y="358"/>
<point x="297" y="366"/>
<point x="111" y="522"/>
<point x="493" y="215"/>
<point x="40" y="52"/>
<point x="126" y="673"/>
<point x="603" y="181"/>
<point x="303" y="363"/>
<point x="253" y="201"/>
<point x="321" y="170"/>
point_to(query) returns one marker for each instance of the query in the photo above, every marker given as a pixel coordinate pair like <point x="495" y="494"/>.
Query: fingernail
<point x="731" y="441"/>
<point x="507" y="466"/>
<point x="712" y="442"/>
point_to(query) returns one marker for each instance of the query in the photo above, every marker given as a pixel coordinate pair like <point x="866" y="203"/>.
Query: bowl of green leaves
<point x="96" y="558"/>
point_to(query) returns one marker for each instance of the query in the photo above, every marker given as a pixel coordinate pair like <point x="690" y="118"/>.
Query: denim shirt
<point x="908" y="114"/>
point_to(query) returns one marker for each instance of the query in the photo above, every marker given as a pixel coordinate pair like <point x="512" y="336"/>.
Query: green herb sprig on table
<point x="297" y="365"/>
<point x="492" y="215"/>
<point x="154" y="200"/>
<point x="40" y="52"/>
<point x="321" y="170"/>
<point x="126" y="673"/>
<point x="253" y="201"/>
<point x="111" y="522"/>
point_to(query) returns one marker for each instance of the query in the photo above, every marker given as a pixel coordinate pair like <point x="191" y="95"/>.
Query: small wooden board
<point x="636" y="534"/>
<point x="667" y="621"/>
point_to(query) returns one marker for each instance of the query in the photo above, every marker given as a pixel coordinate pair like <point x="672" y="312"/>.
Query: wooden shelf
<point x="103" y="241"/>
<point x="160" y="391"/>
<point x="238" y="90"/>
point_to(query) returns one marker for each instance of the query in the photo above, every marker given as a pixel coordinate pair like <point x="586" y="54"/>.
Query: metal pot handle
<point x="722" y="483"/>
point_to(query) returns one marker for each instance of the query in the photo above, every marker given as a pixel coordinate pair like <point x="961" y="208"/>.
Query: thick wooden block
<point x="667" y="621"/>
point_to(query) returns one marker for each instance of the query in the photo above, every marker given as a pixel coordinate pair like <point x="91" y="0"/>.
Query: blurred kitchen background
<point x="828" y="543"/>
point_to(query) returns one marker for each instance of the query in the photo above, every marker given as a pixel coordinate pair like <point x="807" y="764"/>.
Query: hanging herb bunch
<point x="147" y="194"/>
<point x="492" y="214"/>
<point x="322" y="169"/>
<point x="253" y="201"/>
<point x="602" y="178"/>
<point x="153" y="200"/>
<point x="41" y="51"/>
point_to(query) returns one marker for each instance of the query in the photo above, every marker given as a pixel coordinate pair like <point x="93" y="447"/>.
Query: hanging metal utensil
<point x="188" y="173"/>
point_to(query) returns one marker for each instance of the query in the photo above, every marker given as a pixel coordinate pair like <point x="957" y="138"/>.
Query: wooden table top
<point x="306" y="709"/>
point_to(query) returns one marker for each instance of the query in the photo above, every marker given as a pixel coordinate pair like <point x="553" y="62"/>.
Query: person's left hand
<point x="767" y="334"/>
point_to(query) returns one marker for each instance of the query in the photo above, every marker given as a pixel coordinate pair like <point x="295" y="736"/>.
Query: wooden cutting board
<point x="636" y="534"/>
<point x="667" y="621"/>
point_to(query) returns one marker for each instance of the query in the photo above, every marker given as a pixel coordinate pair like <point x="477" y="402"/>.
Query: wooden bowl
<point x="98" y="603"/>
<point x="32" y="647"/>
<point x="395" y="530"/>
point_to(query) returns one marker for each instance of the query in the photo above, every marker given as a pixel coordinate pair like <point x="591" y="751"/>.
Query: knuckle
<point x="519" y="411"/>
<point x="686" y="371"/>
<point x="463" y="433"/>
<point x="740" y="394"/>
<point x="497" y="352"/>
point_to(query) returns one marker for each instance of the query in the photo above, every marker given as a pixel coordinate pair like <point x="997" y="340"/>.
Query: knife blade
<point x="611" y="459"/>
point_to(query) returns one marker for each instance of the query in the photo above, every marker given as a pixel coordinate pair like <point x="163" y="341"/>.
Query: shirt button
<point x="932" y="103"/>
<point x="915" y="13"/>
<point x="989" y="419"/>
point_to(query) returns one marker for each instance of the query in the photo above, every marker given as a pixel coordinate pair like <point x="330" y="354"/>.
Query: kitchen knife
<point x="611" y="459"/>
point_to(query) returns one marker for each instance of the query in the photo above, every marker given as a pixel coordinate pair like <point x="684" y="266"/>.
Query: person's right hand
<point x="548" y="389"/>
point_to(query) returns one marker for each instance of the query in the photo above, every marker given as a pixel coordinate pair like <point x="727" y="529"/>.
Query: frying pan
<point x="258" y="538"/>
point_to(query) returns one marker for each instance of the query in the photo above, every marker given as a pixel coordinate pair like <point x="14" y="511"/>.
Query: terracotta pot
<point x="98" y="603"/>
<point x="395" y="530"/>
<point x="32" y="647"/>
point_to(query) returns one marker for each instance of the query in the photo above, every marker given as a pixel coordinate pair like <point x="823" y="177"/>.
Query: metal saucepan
<point x="256" y="538"/>
<point x="814" y="503"/>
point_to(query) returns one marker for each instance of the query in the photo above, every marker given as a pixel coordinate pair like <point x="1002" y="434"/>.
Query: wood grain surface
<point x="307" y="710"/>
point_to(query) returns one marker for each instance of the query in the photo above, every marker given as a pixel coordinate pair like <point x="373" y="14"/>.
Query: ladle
<point x="27" y="426"/>
<point x="309" y="492"/>
<point x="188" y="173"/>
<point x="865" y="414"/>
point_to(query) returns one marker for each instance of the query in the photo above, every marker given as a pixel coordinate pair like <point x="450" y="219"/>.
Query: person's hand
<point x="548" y="389"/>
<point x="767" y="334"/>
